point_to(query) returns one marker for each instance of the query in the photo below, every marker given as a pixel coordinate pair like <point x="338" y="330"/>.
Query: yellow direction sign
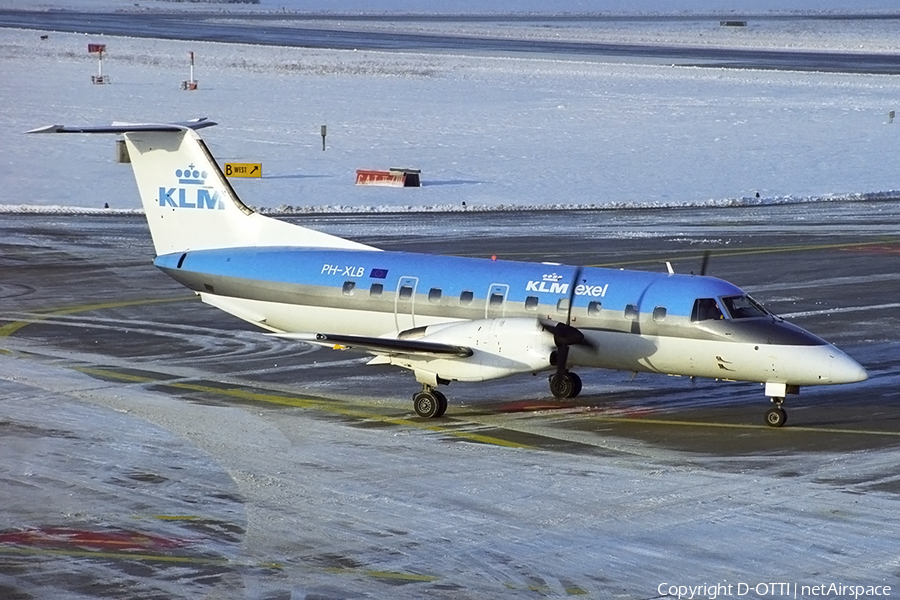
<point x="243" y="169"/>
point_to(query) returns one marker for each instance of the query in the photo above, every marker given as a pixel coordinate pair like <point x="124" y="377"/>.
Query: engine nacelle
<point x="501" y="347"/>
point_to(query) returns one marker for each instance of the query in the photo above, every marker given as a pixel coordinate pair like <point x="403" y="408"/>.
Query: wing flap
<point x="386" y="346"/>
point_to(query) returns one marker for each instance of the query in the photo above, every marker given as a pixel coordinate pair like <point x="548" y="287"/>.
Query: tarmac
<point x="156" y="447"/>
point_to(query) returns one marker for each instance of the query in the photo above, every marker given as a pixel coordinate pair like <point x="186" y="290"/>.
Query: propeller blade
<point x="575" y="279"/>
<point x="704" y="263"/>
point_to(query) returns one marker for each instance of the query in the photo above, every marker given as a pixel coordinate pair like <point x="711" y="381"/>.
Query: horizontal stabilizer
<point x="199" y="123"/>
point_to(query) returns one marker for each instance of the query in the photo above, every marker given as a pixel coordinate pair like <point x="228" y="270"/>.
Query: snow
<point x="486" y="131"/>
<point x="473" y="518"/>
<point x="495" y="133"/>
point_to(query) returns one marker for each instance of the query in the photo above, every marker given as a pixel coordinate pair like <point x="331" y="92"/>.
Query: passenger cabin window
<point x="531" y="303"/>
<point x="406" y="292"/>
<point x="348" y="288"/>
<point x="594" y="308"/>
<point x="496" y="300"/>
<point x="659" y="314"/>
<point x="376" y="290"/>
<point x="434" y="295"/>
<point x="631" y="312"/>
<point x="563" y="305"/>
<point x="466" y="297"/>
<point x="743" y="307"/>
<point x="705" y="309"/>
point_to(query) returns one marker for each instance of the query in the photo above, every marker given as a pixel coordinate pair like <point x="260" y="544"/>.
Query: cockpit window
<point x="743" y="307"/>
<point x="705" y="309"/>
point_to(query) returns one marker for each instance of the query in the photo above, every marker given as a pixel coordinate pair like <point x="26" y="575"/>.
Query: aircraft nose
<point x="846" y="370"/>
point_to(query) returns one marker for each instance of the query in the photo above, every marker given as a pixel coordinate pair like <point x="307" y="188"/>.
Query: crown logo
<point x="552" y="277"/>
<point x="191" y="175"/>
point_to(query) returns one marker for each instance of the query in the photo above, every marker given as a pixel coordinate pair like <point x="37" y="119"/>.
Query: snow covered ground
<point x="471" y="520"/>
<point x="374" y="513"/>
<point x="485" y="130"/>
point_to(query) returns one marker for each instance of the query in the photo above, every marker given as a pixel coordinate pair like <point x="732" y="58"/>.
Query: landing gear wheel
<point x="442" y="403"/>
<point x="425" y="404"/>
<point x="577" y="381"/>
<point x="567" y="385"/>
<point x="776" y="417"/>
<point x="429" y="403"/>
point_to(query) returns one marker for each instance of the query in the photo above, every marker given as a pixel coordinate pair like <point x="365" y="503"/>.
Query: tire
<point x="577" y="381"/>
<point x="442" y="403"/>
<point x="562" y="386"/>
<point x="426" y="404"/>
<point x="776" y="417"/>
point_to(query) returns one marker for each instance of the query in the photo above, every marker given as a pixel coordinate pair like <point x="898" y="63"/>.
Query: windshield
<point x="743" y="307"/>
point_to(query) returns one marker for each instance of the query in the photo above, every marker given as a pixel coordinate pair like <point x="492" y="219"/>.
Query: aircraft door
<point x="495" y="306"/>
<point x="405" y="303"/>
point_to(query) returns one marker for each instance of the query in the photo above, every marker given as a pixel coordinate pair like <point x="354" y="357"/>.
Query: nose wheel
<point x="430" y="403"/>
<point x="776" y="416"/>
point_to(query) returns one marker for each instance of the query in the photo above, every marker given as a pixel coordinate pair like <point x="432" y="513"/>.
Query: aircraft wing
<point x="383" y="346"/>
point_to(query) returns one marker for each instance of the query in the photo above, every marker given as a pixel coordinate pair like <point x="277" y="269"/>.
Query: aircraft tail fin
<point x="189" y="203"/>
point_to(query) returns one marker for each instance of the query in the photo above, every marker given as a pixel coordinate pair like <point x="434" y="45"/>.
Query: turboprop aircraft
<point x="448" y="318"/>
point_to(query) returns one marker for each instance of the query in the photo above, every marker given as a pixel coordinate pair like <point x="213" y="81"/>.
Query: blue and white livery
<point x="450" y="318"/>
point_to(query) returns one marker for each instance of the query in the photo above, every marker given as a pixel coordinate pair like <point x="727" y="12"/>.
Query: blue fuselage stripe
<point x="614" y="289"/>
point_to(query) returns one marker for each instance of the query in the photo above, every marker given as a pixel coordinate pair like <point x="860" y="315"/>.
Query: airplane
<point x="449" y="318"/>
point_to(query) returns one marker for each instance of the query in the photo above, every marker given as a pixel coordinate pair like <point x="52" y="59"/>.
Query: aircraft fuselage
<point x="633" y="320"/>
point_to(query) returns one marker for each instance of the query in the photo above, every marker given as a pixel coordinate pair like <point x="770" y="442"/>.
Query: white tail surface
<point x="188" y="201"/>
<point x="191" y="206"/>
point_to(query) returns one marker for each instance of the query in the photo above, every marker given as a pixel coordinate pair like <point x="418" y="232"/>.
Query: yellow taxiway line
<point x="11" y="328"/>
<point x="641" y="421"/>
<point x="303" y="402"/>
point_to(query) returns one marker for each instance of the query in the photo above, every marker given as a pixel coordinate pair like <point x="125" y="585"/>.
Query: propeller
<point x="564" y="334"/>
<point x="575" y="279"/>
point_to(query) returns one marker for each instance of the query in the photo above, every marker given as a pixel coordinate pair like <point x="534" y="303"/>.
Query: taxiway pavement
<point x="300" y="31"/>
<point x="155" y="447"/>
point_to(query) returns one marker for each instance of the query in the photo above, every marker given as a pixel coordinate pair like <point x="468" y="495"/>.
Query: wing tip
<point x="46" y="129"/>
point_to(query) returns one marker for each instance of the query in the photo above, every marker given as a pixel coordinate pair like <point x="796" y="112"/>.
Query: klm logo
<point x="550" y="284"/>
<point x="190" y="197"/>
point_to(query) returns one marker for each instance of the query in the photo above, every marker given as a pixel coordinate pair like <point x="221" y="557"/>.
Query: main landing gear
<point x="430" y="403"/>
<point x="776" y="416"/>
<point x="565" y="385"/>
